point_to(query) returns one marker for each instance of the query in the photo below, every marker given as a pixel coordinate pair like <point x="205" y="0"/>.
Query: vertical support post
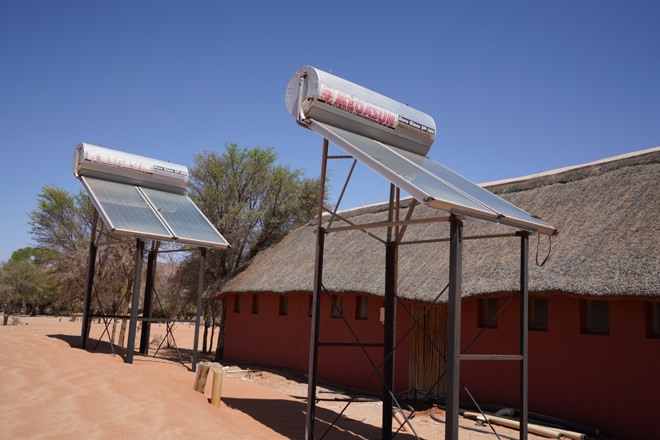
<point x="148" y="296"/>
<point x="389" y="324"/>
<point x="389" y="335"/>
<point x="200" y="291"/>
<point x="316" y="305"/>
<point x="132" y="325"/>
<point x="454" y="326"/>
<point x="91" y="264"/>
<point x="524" y="336"/>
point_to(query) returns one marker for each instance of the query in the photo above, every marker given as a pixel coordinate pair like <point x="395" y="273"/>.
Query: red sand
<point x="52" y="389"/>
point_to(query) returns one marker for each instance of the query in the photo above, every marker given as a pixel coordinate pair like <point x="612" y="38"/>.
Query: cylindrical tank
<point x="335" y="101"/>
<point x="118" y="166"/>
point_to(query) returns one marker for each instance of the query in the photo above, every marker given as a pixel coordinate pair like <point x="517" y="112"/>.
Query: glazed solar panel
<point x="125" y="210"/>
<point x="430" y="182"/>
<point x="185" y="220"/>
<point x="150" y="213"/>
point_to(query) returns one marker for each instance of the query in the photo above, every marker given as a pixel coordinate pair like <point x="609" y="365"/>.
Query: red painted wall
<point x="609" y="382"/>
<point x="267" y="338"/>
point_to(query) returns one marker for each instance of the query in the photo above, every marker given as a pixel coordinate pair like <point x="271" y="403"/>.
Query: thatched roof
<point x="607" y="213"/>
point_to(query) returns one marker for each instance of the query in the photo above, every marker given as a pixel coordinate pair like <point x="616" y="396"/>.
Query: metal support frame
<point x="389" y="330"/>
<point x="147" y="307"/>
<point x="200" y="292"/>
<point x="524" y="336"/>
<point x="91" y="264"/>
<point x="316" y="304"/>
<point x="146" y="319"/>
<point x="135" y="303"/>
<point x="454" y="326"/>
<point x="395" y="231"/>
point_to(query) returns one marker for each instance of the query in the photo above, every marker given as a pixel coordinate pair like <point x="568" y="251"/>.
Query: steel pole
<point x="389" y="337"/>
<point x="132" y="326"/>
<point x="389" y="327"/>
<point x="524" y="336"/>
<point x="147" y="306"/>
<point x="200" y="291"/>
<point x="316" y="305"/>
<point x="454" y="327"/>
<point x="91" y="264"/>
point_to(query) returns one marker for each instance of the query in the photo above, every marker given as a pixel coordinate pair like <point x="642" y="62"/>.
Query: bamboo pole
<point x="216" y="394"/>
<point x="401" y="420"/>
<point x="533" y="428"/>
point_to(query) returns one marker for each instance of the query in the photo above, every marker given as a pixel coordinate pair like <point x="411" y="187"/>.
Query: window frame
<point x="255" y="303"/>
<point x="587" y="309"/>
<point x="532" y="313"/>
<point x="485" y="307"/>
<point x="652" y="309"/>
<point x="283" y="309"/>
<point x="337" y="306"/>
<point x="362" y="307"/>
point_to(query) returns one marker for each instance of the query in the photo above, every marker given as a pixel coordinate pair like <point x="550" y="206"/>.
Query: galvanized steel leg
<point x="524" y="320"/>
<point x="454" y="327"/>
<point x="200" y="291"/>
<point x="132" y="326"/>
<point x="91" y="263"/>
<point x="389" y="336"/>
<point x="316" y="305"/>
<point x="148" y="295"/>
<point x="314" y="338"/>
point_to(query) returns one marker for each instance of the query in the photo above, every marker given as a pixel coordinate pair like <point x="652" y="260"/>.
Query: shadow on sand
<point x="104" y="347"/>
<point x="93" y="345"/>
<point x="287" y="418"/>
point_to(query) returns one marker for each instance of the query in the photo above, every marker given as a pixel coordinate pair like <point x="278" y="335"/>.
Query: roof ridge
<point x="558" y="171"/>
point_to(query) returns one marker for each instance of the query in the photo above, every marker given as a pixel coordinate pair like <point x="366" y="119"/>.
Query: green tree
<point x="25" y="282"/>
<point x="61" y="226"/>
<point x="253" y="201"/>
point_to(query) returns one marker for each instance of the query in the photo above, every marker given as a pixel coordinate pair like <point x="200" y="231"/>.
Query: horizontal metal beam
<point x="474" y="237"/>
<point x="421" y="221"/>
<point x="334" y="214"/>
<point x="490" y="357"/>
<point x="169" y="251"/>
<point x="350" y="344"/>
<point x="115" y="243"/>
<point x="340" y="157"/>
<point x="166" y="320"/>
<point x="110" y="316"/>
<point x="139" y="318"/>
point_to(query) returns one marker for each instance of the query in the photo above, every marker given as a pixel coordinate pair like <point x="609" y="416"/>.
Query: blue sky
<point x="515" y="87"/>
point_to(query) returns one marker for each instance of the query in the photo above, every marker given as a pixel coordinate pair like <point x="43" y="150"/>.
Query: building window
<point x="361" y="307"/>
<point x="595" y="317"/>
<point x="653" y="319"/>
<point x="284" y="305"/>
<point x="255" y="304"/>
<point x="237" y="304"/>
<point x="538" y="314"/>
<point x="486" y="311"/>
<point x="337" y="306"/>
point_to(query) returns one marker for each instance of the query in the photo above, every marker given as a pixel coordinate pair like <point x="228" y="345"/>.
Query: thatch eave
<point x="609" y="246"/>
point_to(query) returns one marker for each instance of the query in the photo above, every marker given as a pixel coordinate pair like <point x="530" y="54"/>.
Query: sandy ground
<point x="51" y="389"/>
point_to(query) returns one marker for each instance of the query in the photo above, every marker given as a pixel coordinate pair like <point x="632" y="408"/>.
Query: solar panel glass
<point x="184" y="218"/>
<point x="124" y="209"/>
<point x="429" y="181"/>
